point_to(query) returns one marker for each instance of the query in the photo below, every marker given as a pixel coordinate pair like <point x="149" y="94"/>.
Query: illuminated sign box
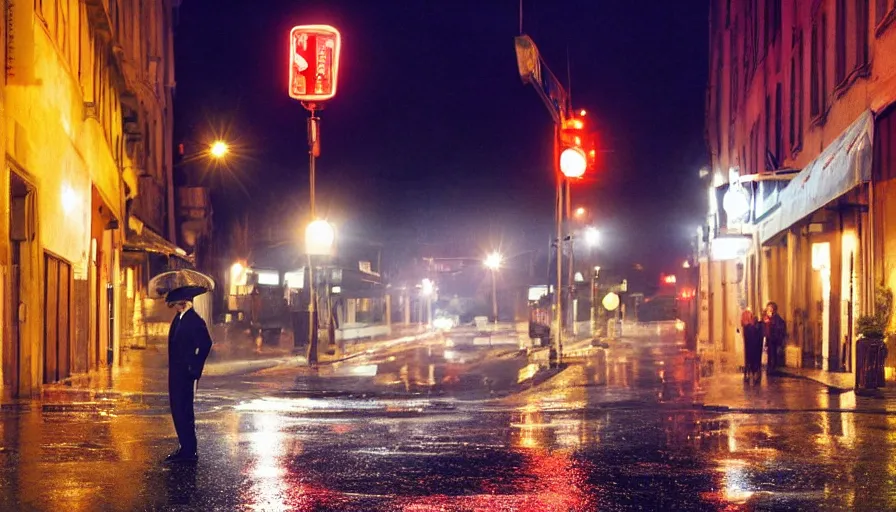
<point x="313" y="62"/>
<point x="730" y="248"/>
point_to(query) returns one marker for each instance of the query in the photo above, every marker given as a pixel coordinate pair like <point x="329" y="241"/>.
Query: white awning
<point x="842" y="166"/>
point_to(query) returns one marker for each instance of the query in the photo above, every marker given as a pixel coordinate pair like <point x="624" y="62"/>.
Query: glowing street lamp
<point x="219" y="149"/>
<point x="580" y="211"/>
<point x="493" y="261"/>
<point x="592" y="236"/>
<point x="319" y="238"/>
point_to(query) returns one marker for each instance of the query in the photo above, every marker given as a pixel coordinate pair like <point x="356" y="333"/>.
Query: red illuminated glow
<point x="669" y="279"/>
<point x="313" y="62"/>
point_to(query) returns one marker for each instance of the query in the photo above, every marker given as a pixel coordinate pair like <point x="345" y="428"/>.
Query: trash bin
<point x="870" y="357"/>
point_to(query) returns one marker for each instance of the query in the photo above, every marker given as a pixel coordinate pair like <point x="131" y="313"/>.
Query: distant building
<point x="800" y="127"/>
<point x="86" y="102"/>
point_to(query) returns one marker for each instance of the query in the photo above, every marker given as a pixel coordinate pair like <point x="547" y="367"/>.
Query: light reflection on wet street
<point x="431" y="427"/>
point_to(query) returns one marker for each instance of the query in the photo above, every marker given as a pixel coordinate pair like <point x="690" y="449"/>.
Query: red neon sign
<point x="313" y="62"/>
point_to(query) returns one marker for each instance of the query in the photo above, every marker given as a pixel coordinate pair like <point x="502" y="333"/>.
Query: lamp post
<point x="595" y="275"/>
<point x="493" y="262"/>
<point x="313" y="73"/>
<point x="319" y="239"/>
<point x="427" y="288"/>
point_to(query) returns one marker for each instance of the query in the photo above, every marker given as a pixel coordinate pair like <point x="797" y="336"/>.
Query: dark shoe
<point x="180" y="456"/>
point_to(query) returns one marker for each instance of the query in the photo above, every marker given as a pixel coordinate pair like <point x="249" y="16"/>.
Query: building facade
<point x="799" y="126"/>
<point x="86" y="130"/>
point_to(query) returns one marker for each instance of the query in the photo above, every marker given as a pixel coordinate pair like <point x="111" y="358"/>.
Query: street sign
<point x="313" y="62"/>
<point x="533" y="70"/>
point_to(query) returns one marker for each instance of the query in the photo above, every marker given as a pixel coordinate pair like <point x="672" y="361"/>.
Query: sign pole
<point x="313" y="151"/>
<point x="313" y="73"/>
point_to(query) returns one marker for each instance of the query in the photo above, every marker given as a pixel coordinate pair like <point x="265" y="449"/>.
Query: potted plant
<point x="874" y="326"/>
<point x="871" y="348"/>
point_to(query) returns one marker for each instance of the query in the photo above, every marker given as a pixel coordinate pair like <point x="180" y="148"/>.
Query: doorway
<point x="19" y="196"/>
<point x="57" y="319"/>
<point x="821" y="293"/>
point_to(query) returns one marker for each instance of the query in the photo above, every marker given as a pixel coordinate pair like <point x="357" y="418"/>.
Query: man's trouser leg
<point x="180" y="395"/>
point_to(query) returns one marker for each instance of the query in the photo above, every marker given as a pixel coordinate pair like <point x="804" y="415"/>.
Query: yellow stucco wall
<point x="51" y="137"/>
<point x="62" y="130"/>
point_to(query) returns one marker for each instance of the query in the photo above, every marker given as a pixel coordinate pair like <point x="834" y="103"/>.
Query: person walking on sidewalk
<point x="189" y="344"/>
<point x="752" y="333"/>
<point x="774" y="330"/>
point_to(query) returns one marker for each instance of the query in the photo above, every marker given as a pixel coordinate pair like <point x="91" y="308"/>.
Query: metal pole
<point x="494" y="296"/>
<point x="313" y="149"/>
<point x="593" y="282"/>
<point x="558" y="320"/>
<point x="571" y="314"/>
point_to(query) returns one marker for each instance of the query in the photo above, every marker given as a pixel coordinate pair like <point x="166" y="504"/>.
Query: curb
<point x="724" y="409"/>
<point x="224" y="369"/>
<point x="831" y="387"/>
<point x="379" y="346"/>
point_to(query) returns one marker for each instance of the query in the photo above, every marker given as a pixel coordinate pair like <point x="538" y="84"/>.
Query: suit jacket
<point x="189" y="344"/>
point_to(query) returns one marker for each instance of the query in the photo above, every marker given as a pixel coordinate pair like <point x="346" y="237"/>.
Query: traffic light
<point x="577" y="148"/>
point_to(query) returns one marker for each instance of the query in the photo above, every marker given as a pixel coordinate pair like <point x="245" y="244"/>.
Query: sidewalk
<point x="834" y="380"/>
<point x="792" y="392"/>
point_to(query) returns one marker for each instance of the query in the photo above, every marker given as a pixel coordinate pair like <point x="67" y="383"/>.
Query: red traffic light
<point x="578" y="152"/>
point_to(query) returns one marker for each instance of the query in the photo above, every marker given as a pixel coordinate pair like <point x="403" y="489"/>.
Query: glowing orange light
<point x="313" y="62"/>
<point x="582" y="113"/>
<point x="219" y="149"/>
<point x="578" y="124"/>
<point x="580" y="211"/>
<point x="669" y="279"/>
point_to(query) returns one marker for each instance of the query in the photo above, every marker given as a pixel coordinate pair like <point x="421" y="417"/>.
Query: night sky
<point x="432" y="133"/>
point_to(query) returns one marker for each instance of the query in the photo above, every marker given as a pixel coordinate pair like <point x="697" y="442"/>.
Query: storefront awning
<point x="842" y="166"/>
<point x="139" y="238"/>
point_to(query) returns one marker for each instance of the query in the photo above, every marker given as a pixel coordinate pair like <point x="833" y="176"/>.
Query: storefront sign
<point x="313" y="62"/>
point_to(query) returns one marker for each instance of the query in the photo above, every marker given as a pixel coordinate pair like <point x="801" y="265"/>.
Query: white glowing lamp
<point x="319" y="238"/>
<point x="494" y="260"/>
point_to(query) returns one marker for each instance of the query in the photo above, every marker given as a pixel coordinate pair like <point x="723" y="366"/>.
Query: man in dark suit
<point x="189" y="344"/>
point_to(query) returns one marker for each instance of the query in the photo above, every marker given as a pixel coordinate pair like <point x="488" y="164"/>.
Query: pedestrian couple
<point x="772" y="330"/>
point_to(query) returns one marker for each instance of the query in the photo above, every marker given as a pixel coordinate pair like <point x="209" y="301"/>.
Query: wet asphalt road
<point x="433" y="427"/>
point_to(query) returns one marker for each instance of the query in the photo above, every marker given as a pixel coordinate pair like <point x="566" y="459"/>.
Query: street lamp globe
<point x="319" y="238"/>
<point x="219" y="149"/>
<point x="592" y="236"/>
<point x="573" y="162"/>
<point x="494" y="260"/>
